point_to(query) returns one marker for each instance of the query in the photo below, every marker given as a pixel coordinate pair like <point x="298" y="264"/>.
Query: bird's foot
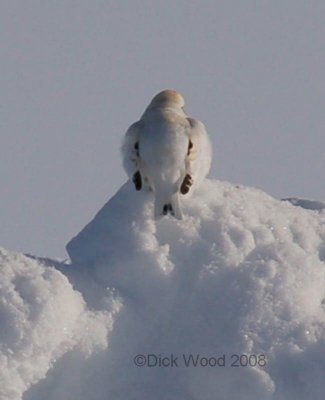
<point x="168" y="208"/>
<point x="187" y="183"/>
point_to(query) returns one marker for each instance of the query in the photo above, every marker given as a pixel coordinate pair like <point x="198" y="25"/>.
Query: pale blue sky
<point x="75" y="74"/>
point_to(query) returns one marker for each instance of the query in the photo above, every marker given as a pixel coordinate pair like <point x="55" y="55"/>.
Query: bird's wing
<point x="198" y="160"/>
<point x="130" y="149"/>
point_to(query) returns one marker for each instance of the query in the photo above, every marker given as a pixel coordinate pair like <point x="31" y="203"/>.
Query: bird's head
<point x="168" y="98"/>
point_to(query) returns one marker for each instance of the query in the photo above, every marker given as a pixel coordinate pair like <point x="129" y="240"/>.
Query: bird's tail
<point x="170" y="205"/>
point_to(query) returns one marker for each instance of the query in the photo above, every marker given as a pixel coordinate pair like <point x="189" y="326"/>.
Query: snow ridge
<point x="243" y="273"/>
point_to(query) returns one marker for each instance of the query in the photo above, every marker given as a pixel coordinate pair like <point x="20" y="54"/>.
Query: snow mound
<point x="42" y="318"/>
<point x="239" y="282"/>
<point x="227" y="303"/>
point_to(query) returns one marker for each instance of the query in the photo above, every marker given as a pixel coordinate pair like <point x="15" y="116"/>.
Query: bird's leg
<point x="188" y="180"/>
<point x="136" y="147"/>
<point x="170" y="209"/>
<point x="187" y="183"/>
<point x="137" y="180"/>
<point x="190" y="146"/>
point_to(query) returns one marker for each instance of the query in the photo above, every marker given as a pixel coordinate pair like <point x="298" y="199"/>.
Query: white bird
<point x="166" y="152"/>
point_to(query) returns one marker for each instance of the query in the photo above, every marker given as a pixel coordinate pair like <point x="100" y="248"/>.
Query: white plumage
<point x="167" y="152"/>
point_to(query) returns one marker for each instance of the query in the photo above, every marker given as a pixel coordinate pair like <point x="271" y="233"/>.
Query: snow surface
<point x="242" y="274"/>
